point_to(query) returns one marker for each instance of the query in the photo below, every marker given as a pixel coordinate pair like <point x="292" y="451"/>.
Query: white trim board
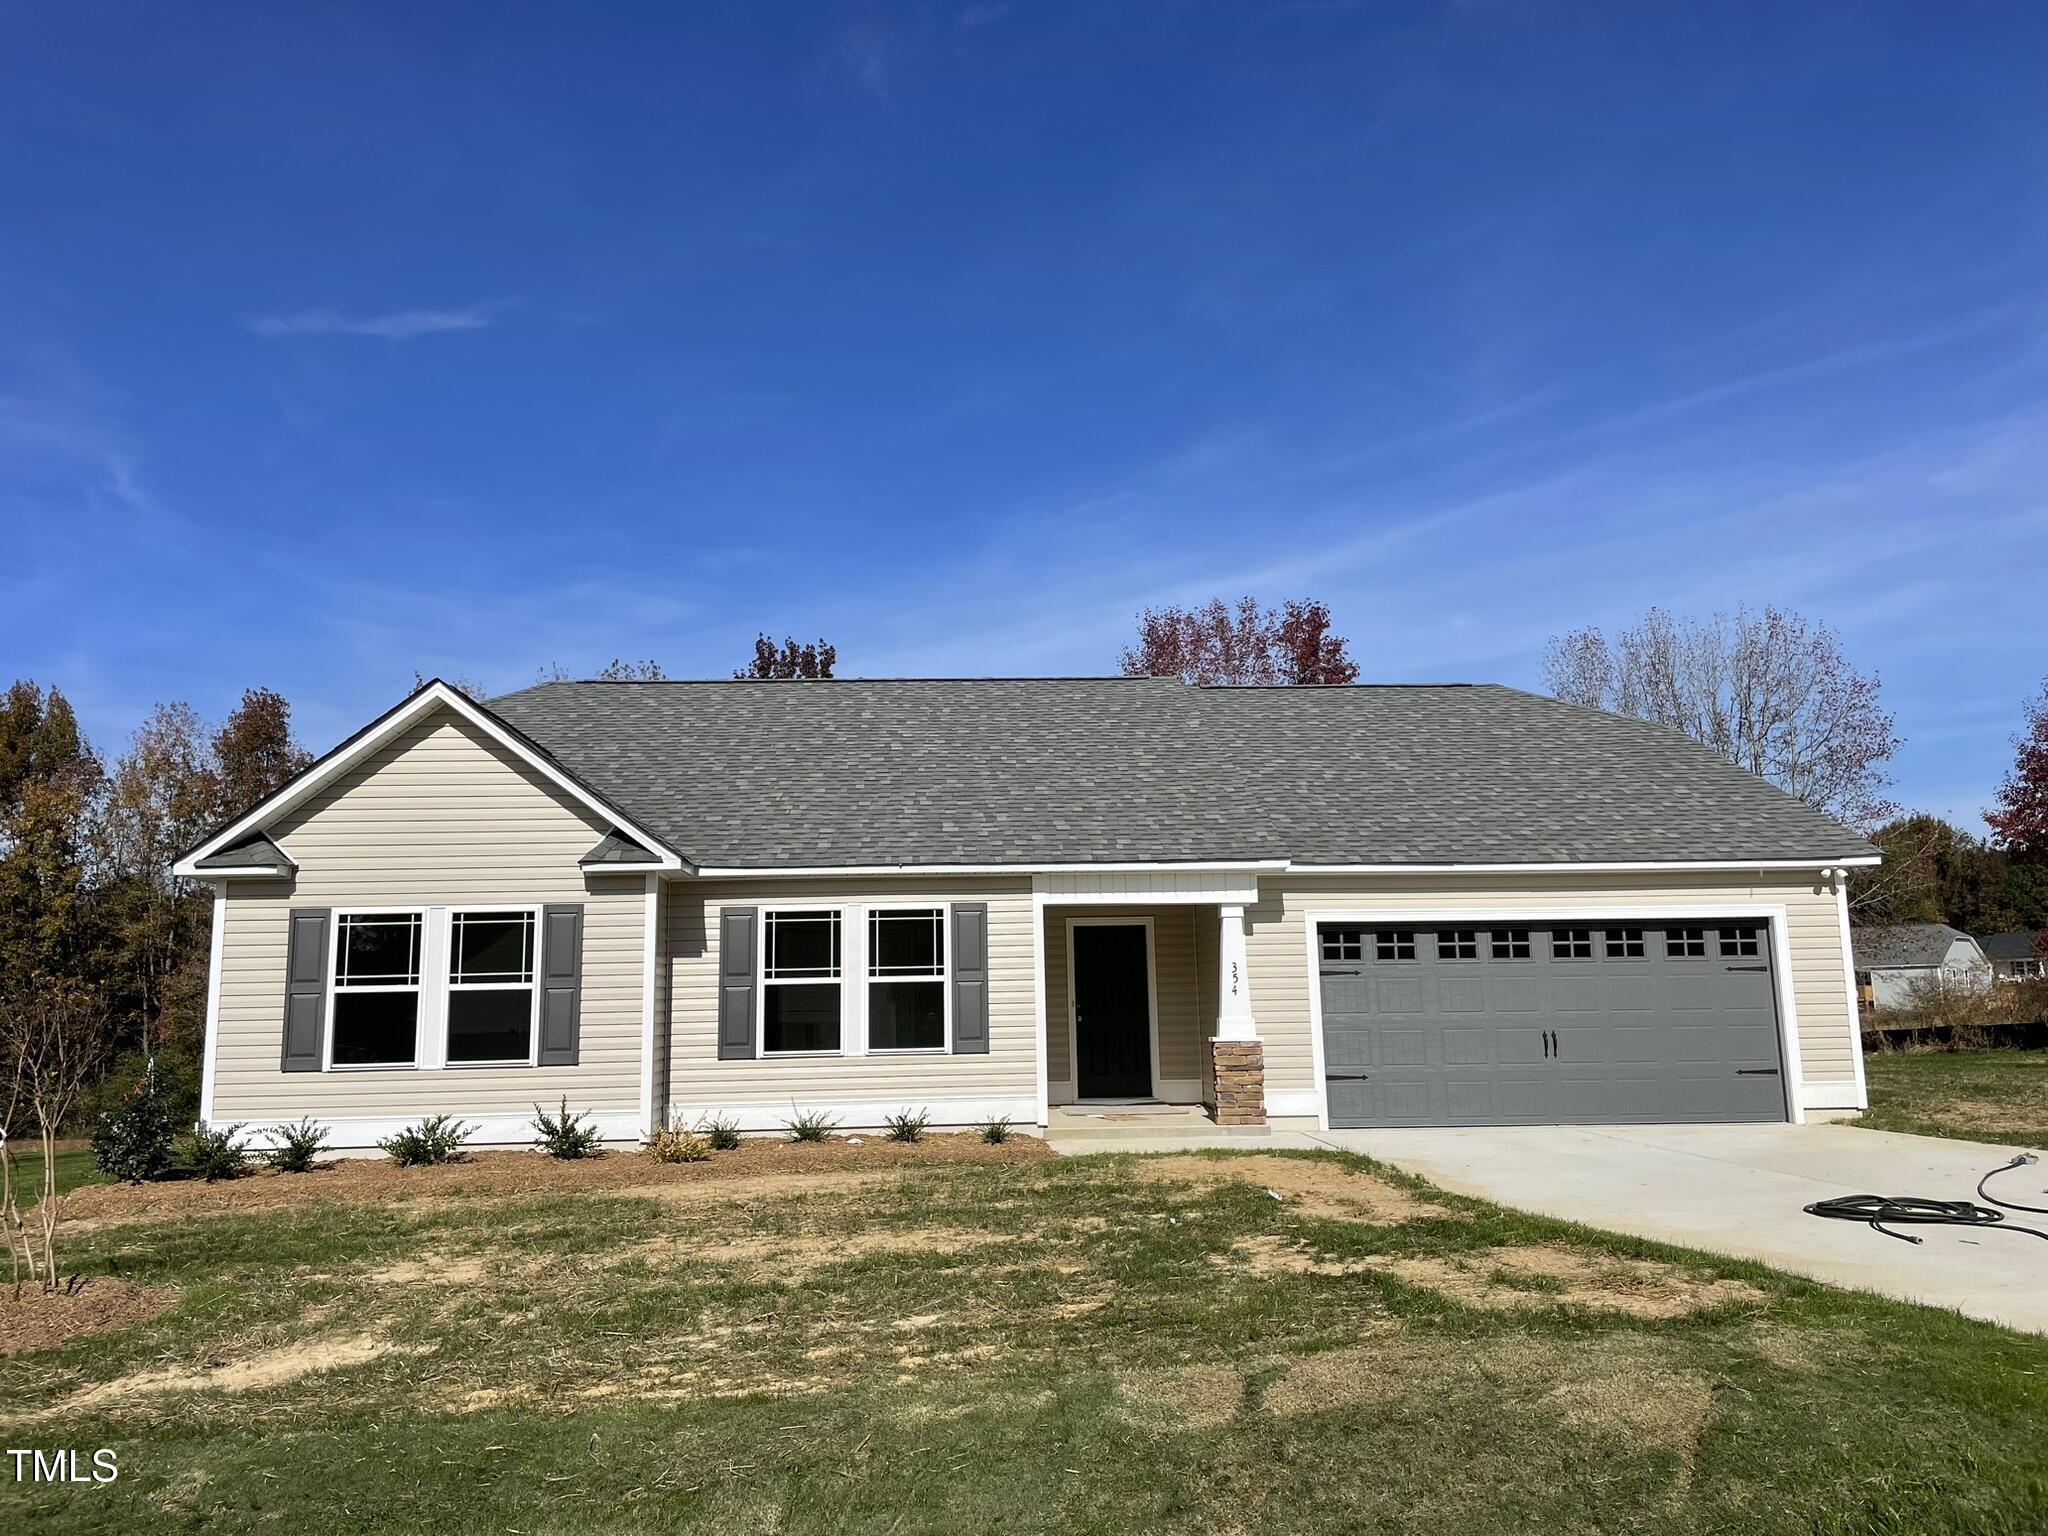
<point x="1538" y="917"/>
<point x="436" y="695"/>
<point x="1849" y="990"/>
<point x="359" y="1132"/>
<point x="1256" y="867"/>
<point x="1143" y="921"/>
<point x="861" y="1115"/>
<point x="207" y="1068"/>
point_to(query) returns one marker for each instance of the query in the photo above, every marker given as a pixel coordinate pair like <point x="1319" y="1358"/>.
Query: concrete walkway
<point x="1733" y="1189"/>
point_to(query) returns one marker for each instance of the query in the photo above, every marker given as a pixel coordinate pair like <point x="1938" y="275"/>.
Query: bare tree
<point x="468" y="687"/>
<point x="55" y="1037"/>
<point x="1768" y="691"/>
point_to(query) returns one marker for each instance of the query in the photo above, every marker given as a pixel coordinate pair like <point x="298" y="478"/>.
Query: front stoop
<point x="1240" y="1082"/>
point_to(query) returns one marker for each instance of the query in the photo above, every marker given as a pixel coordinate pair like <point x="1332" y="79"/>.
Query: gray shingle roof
<point x="616" y="848"/>
<point x="1110" y="770"/>
<point x="2008" y="946"/>
<point x="253" y="852"/>
<point x="1880" y="947"/>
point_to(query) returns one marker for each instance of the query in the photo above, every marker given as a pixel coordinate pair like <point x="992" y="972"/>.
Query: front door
<point x="1112" y="1012"/>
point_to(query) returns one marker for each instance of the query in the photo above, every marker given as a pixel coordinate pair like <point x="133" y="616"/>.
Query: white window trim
<point x="853" y="977"/>
<point x="447" y="987"/>
<point x="430" y="1034"/>
<point x="420" y="988"/>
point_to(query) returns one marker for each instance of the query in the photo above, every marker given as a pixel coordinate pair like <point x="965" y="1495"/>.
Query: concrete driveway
<point x="1739" y="1189"/>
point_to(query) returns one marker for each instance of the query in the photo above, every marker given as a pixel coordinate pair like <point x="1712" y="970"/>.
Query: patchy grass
<point x="1995" y="1095"/>
<point x="1093" y="1345"/>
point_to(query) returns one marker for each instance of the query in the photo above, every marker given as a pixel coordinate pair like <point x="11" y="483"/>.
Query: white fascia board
<point x="436" y="695"/>
<point x="819" y="871"/>
<point x="238" y="872"/>
<point x="1646" y="866"/>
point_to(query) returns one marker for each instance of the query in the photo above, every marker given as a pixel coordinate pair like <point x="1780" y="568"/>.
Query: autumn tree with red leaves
<point x="2019" y="824"/>
<point x="813" y="661"/>
<point x="1221" y="643"/>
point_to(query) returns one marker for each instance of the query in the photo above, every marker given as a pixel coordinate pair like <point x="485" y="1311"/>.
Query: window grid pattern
<point x="1343" y="944"/>
<point x="1510" y="943"/>
<point x="1458" y="944"/>
<point x="1685" y="943"/>
<point x="1740" y="942"/>
<point x="1571" y="943"/>
<point x="1624" y="943"/>
<point x="1394" y="944"/>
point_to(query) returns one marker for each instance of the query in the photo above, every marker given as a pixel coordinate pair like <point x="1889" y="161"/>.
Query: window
<point x="1624" y="943"/>
<point x="1393" y="944"/>
<point x="907" y="979"/>
<point x="490" y="987"/>
<point x="800" y="982"/>
<point x="376" y="989"/>
<point x="1343" y="944"/>
<point x="1685" y="943"/>
<point x="1571" y="943"/>
<point x="1510" y="943"/>
<point x="1458" y="944"/>
<point x="1739" y="941"/>
<point x="2026" y="970"/>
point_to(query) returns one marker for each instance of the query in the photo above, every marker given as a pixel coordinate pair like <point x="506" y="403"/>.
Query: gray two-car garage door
<point x="1646" y="1023"/>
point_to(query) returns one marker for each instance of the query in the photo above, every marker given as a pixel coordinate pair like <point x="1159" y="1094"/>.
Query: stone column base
<point x="1240" y="1081"/>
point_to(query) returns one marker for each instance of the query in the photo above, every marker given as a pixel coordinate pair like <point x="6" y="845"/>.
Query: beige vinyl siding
<point x="698" y="1080"/>
<point x="1277" y="949"/>
<point x="441" y="816"/>
<point x="1176" y="972"/>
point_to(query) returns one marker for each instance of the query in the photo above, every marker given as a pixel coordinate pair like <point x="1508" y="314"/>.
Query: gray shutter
<point x="736" y="983"/>
<point x="970" y="979"/>
<point x="561" y="1006"/>
<point x="305" y="989"/>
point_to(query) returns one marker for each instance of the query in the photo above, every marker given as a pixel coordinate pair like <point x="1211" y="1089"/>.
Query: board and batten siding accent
<point x="1183" y="1028"/>
<point x="1276" y="952"/>
<point x="442" y="816"/>
<point x="762" y="1090"/>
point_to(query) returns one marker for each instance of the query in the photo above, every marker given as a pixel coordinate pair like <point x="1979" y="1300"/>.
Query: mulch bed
<point x="518" y="1173"/>
<point x="36" y="1321"/>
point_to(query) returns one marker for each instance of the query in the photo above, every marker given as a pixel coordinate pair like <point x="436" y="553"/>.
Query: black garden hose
<point x="1883" y="1212"/>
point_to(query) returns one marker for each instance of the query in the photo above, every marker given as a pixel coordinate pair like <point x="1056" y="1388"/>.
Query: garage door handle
<point x="1745" y="967"/>
<point x="1354" y="971"/>
<point x="1756" y="1071"/>
<point x="1347" y="1077"/>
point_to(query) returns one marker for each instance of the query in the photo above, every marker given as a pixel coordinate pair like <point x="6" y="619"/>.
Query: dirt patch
<point x="1641" y="1407"/>
<point x="36" y="1321"/>
<point x="378" y="1179"/>
<point x="1311" y="1187"/>
<point x="1806" y="1350"/>
<point x="795" y="1256"/>
<point x="253" y="1373"/>
<point x="1536" y="1275"/>
<point x="1274" y="1255"/>
<point x="1198" y="1396"/>
<point x="429" y="1271"/>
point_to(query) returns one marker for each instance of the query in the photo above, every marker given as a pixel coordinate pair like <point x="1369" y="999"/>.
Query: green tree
<point x="49" y="781"/>
<point x="254" y="753"/>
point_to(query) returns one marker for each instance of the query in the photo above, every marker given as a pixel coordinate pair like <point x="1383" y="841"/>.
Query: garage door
<point x="1550" y="1026"/>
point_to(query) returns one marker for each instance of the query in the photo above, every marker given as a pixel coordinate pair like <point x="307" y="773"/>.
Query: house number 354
<point x="1233" y="978"/>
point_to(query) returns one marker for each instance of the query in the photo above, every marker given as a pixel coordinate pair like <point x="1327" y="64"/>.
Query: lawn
<point x="74" y="1167"/>
<point x="1099" y="1345"/>
<point x="1997" y="1095"/>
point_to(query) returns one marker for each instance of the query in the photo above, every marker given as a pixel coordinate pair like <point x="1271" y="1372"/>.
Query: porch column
<point x="1238" y="1053"/>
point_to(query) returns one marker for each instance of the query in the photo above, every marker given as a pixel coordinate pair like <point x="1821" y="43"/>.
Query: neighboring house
<point x="986" y="897"/>
<point x="2013" y="956"/>
<point x="1896" y="963"/>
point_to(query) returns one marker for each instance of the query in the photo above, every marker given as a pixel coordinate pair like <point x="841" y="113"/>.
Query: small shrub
<point x="678" y="1143"/>
<point x="809" y="1124"/>
<point x="906" y="1126"/>
<point x="997" y="1131"/>
<point x="565" y="1135"/>
<point x="294" y="1146"/>
<point x="436" y="1139"/>
<point x="216" y="1153"/>
<point x="722" y="1133"/>
<point x="132" y="1141"/>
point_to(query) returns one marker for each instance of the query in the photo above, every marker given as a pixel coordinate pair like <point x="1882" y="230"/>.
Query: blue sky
<point x="342" y="341"/>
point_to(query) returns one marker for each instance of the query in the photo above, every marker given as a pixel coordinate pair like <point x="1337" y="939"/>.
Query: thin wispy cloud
<point x="398" y="325"/>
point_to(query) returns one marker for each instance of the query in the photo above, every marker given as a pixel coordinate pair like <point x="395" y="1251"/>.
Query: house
<point x="1897" y="963"/>
<point x="2013" y="956"/>
<point x="990" y="897"/>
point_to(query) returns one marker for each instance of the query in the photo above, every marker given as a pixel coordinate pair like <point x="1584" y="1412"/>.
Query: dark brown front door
<point x="1112" y="1012"/>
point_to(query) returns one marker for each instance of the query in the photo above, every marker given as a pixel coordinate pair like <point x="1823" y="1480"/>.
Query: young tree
<point x="1768" y="691"/>
<point x="468" y="687"/>
<point x="1220" y="643"/>
<point x="619" y="671"/>
<point x="2020" y="820"/>
<point x="55" y="1037"/>
<point x="815" y="660"/>
<point x="254" y="752"/>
